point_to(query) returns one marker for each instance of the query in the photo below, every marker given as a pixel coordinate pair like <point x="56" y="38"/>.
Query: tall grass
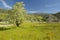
<point x="32" y="31"/>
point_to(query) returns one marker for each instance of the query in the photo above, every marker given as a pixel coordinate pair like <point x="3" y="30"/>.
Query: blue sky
<point x="32" y="6"/>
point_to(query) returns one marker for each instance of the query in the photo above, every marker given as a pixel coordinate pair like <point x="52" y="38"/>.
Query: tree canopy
<point x="17" y="14"/>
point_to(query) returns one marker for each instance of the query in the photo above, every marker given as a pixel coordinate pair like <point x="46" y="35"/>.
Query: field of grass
<point x="32" y="31"/>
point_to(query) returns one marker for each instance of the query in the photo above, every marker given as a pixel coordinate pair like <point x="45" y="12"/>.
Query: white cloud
<point x="32" y="11"/>
<point x="5" y="4"/>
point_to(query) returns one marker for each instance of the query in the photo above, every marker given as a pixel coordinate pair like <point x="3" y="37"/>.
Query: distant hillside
<point x="3" y="11"/>
<point x="49" y="17"/>
<point x="40" y="14"/>
<point x="34" y="16"/>
<point x="57" y="15"/>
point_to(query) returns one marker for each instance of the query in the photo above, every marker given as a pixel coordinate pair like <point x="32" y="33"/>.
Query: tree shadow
<point x="4" y="29"/>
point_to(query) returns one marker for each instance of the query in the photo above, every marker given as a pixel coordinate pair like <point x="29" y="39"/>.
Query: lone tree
<point x="17" y="14"/>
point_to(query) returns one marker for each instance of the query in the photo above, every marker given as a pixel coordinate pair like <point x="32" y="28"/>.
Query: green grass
<point x="32" y="31"/>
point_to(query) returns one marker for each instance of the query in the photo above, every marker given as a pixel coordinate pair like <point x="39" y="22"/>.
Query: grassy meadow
<point x="32" y="31"/>
<point x="16" y="23"/>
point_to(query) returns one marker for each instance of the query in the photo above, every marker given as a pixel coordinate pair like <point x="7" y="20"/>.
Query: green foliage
<point x="3" y="11"/>
<point x="34" y="18"/>
<point x="3" y="16"/>
<point x="39" y="18"/>
<point x="17" y="13"/>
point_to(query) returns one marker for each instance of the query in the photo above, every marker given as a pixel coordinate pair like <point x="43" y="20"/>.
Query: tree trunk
<point x="17" y="23"/>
